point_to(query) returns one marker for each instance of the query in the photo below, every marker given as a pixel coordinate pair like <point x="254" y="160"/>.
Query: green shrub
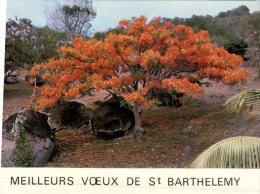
<point x="238" y="47"/>
<point x="23" y="154"/>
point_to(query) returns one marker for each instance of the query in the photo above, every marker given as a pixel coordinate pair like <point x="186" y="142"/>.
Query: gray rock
<point x="11" y="80"/>
<point x="8" y="147"/>
<point x="112" y="119"/>
<point x="69" y="114"/>
<point x="8" y="124"/>
<point x="42" y="149"/>
<point x="191" y="129"/>
<point x="186" y="149"/>
<point x="27" y="140"/>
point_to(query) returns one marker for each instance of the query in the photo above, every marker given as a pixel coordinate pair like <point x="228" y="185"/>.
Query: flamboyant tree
<point x="144" y="57"/>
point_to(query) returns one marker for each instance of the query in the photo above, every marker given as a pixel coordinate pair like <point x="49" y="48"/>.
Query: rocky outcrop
<point x="27" y="140"/>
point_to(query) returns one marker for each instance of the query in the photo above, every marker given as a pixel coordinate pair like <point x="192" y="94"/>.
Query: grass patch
<point x="15" y="90"/>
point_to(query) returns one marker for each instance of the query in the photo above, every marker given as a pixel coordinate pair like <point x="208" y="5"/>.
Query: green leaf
<point x="234" y="152"/>
<point x="239" y="102"/>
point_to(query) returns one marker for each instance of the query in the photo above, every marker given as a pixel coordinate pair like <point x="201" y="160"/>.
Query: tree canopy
<point x="28" y="44"/>
<point x="241" y="10"/>
<point x="132" y="64"/>
<point x="18" y="44"/>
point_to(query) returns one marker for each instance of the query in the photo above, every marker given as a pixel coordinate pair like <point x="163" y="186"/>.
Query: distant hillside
<point x="233" y="26"/>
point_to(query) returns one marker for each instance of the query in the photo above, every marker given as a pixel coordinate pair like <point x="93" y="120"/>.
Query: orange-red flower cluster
<point x="142" y="56"/>
<point x="182" y="86"/>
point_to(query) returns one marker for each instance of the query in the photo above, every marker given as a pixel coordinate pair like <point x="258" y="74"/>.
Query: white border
<point x="251" y="178"/>
<point x="248" y="181"/>
<point x="2" y="55"/>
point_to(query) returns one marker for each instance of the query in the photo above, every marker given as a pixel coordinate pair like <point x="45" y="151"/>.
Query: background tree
<point x="251" y="30"/>
<point x="46" y="43"/>
<point x="99" y="35"/>
<point x="27" y="44"/>
<point x="144" y="57"/>
<point x="72" y="18"/>
<point x="199" y="22"/>
<point x="241" y="10"/>
<point x="219" y="33"/>
<point x="102" y="35"/>
<point x="18" y="46"/>
<point x="238" y="47"/>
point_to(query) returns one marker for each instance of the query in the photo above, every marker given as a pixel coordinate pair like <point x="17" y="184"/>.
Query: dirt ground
<point x="166" y="144"/>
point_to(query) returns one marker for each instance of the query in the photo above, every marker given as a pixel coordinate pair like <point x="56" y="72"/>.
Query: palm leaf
<point x="239" y="102"/>
<point x="234" y="152"/>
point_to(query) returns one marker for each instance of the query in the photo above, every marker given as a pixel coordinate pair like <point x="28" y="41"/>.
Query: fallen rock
<point x="27" y="140"/>
<point x="191" y="129"/>
<point x="112" y="119"/>
<point x="186" y="149"/>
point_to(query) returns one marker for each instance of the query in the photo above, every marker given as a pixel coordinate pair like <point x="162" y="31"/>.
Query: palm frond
<point x="239" y="102"/>
<point x="234" y="152"/>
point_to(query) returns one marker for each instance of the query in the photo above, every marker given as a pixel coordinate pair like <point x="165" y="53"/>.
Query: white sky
<point x="110" y="12"/>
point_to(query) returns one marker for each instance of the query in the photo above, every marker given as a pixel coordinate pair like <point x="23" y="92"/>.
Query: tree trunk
<point x="138" y="133"/>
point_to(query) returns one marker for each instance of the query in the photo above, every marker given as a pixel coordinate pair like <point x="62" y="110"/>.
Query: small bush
<point x="23" y="154"/>
<point x="238" y="47"/>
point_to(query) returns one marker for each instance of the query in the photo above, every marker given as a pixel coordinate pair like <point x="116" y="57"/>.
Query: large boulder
<point x="112" y="119"/>
<point x="11" y="80"/>
<point x="69" y="114"/>
<point x="27" y="140"/>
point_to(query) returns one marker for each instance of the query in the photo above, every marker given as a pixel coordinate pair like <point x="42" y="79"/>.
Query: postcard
<point x="149" y="96"/>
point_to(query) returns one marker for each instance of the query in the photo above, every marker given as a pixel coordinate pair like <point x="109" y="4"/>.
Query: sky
<point x="110" y="12"/>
